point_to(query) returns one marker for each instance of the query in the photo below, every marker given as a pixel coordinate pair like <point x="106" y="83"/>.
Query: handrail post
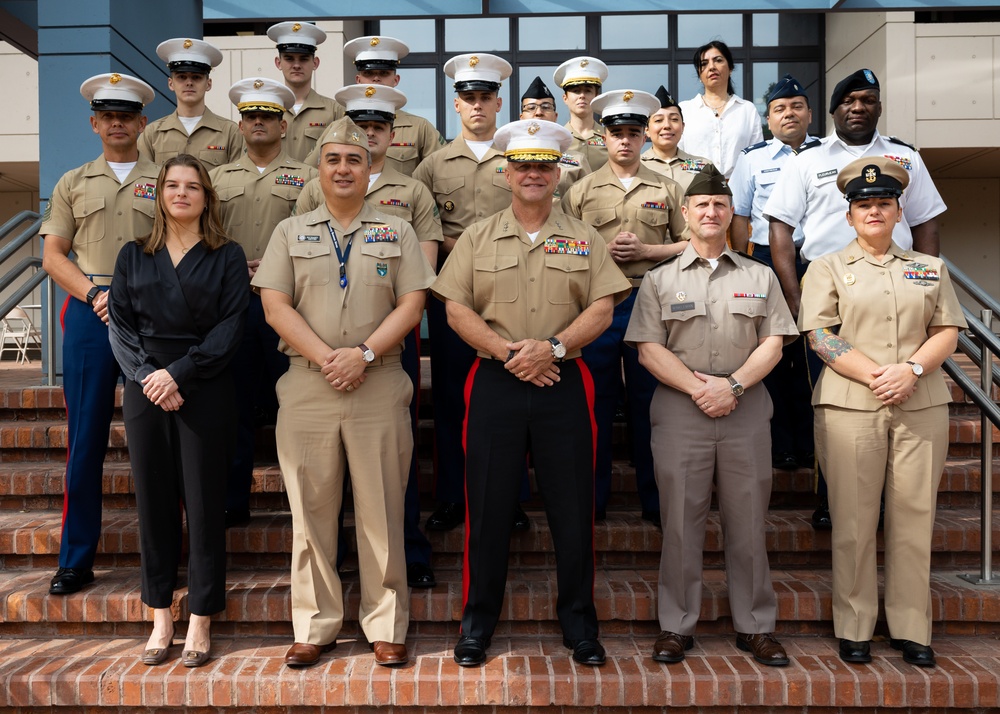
<point x="986" y="575"/>
<point x="50" y="331"/>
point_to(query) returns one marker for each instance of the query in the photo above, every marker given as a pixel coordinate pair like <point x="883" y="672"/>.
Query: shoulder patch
<point x="809" y="145"/>
<point x="896" y="140"/>
<point x="758" y="145"/>
<point x="750" y="257"/>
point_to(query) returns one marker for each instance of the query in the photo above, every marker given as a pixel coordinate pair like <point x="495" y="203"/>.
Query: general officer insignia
<point x="919" y="271"/>
<point x="381" y="269"/>
<point x="681" y="296"/>
<point x="395" y="202"/>
<point x="307" y="239"/>
<point x="654" y="204"/>
<point x="901" y="160"/>
<point x="849" y="279"/>
<point x="145" y="190"/>
<point x="596" y="140"/>
<point x="289" y="180"/>
<point x="449" y="206"/>
<point x="381" y="234"/>
<point x="566" y="246"/>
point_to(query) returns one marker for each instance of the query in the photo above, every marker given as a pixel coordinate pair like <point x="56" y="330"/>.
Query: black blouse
<point x="196" y="309"/>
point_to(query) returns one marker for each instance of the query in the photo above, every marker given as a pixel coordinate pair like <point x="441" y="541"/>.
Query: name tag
<point x="682" y="307"/>
<point x="307" y="239"/>
<point x="824" y="174"/>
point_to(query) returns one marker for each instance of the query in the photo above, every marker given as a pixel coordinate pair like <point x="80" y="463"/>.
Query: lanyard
<point x="341" y="257"/>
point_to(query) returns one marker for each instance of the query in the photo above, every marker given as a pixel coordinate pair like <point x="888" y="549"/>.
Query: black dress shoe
<point x="914" y="652"/>
<point x="420" y="575"/>
<point x="821" y="517"/>
<point x="855" y="652"/>
<point x="521" y="521"/>
<point x="590" y="652"/>
<point x="446" y="517"/>
<point x="784" y="461"/>
<point x="239" y="517"/>
<point x="67" y="581"/>
<point x="471" y="651"/>
<point x="653" y="517"/>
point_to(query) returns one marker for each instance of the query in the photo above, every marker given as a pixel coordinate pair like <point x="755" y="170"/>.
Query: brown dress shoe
<point x="389" y="654"/>
<point x="764" y="647"/>
<point x="302" y="654"/>
<point x="670" y="647"/>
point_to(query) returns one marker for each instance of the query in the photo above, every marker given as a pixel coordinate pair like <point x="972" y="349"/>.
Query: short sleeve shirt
<point x="529" y="290"/>
<point x="882" y="309"/>
<point x="710" y="319"/>
<point x="385" y="262"/>
<point x="414" y="140"/>
<point x="592" y="147"/>
<point x="307" y="126"/>
<point x="215" y="141"/>
<point x="682" y="168"/>
<point x="720" y="138"/>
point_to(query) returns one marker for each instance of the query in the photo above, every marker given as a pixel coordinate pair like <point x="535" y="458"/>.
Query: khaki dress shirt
<point x="593" y="147"/>
<point x="415" y="139"/>
<point x="215" y="141"/>
<point x="306" y="127"/>
<point x="682" y="168"/>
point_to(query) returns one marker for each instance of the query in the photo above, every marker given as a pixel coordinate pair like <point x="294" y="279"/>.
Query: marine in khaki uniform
<point x="372" y="107"/>
<point x="94" y="210"/>
<point x="469" y="183"/>
<point x="637" y="212"/>
<point x="581" y="79"/>
<point x="527" y="390"/>
<point x="192" y="128"/>
<point x="709" y="324"/>
<point x="256" y="192"/>
<point x="537" y="102"/>
<point x="883" y="319"/>
<point x="665" y="128"/>
<point x="311" y="113"/>
<point x="342" y="285"/>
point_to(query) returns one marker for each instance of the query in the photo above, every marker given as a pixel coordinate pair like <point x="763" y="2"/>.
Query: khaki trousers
<point x="860" y="452"/>
<point x="320" y="432"/>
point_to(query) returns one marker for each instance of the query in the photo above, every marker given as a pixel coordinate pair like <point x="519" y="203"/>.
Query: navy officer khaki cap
<point x="708" y="182"/>
<point x="872" y="177"/>
<point x="537" y="90"/>
<point x="786" y="87"/>
<point x="862" y="79"/>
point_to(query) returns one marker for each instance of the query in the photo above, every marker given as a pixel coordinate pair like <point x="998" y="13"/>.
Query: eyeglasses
<point x="544" y="106"/>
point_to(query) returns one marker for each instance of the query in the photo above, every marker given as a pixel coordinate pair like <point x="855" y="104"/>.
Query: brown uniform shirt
<point x="593" y="147"/>
<point x="306" y="127"/>
<point x="682" y="168"/>
<point x="394" y="194"/>
<point x="529" y="290"/>
<point x="99" y="214"/>
<point x="253" y="203"/>
<point x="711" y="320"/>
<point x="465" y="189"/>
<point x="215" y="141"/>
<point x="385" y="262"/>
<point x="650" y="209"/>
<point x="883" y="310"/>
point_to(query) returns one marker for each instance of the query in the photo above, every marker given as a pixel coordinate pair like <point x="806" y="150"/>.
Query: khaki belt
<point x="379" y="361"/>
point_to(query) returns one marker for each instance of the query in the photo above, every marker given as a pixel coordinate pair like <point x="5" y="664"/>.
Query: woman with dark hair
<point x="176" y="305"/>
<point x="718" y="124"/>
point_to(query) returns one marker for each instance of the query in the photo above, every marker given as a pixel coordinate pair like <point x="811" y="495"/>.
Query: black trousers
<point x="506" y="420"/>
<point x="180" y="460"/>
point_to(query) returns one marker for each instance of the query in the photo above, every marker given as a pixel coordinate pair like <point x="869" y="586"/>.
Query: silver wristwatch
<point x="558" y="348"/>
<point x="366" y="353"/>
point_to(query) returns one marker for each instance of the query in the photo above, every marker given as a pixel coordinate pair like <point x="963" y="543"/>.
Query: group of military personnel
<point x="557" y="250"/>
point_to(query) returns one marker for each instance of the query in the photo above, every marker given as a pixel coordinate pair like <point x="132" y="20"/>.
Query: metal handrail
<point x="26" y="235"/>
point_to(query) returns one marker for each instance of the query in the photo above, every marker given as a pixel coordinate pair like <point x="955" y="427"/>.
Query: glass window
<point x="551" y="33"/>
<point x="765" y="74"/>
<point x="417" y="34"/>
<point x="646" y="77"/>
<point x="525" y="76"/>
<point x="696" y="30"/>
<point x="629" y="32"/>
<point x="785" y="29"/>
<point x="478" y="34"/>
<point x="689" y="85"/>
<point x="419" y="86"/>
<point x="453" y="123"/>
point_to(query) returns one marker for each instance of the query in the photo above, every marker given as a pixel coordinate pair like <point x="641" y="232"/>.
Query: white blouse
<point x="720" y="138"/>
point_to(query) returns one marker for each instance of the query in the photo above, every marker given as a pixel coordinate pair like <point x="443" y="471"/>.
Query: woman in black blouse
<point x="176" y="305"/>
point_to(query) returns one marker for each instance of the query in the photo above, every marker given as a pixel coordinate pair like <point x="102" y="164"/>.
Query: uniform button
<point x="345" y="331"/>
<point x="715" y="353"/>
<point x="479" y="190"/>
<point x="888" y="318"/>
<point x="888" y="344"/>
<point x="119" y="213"/>
<point x="625" y="221"/>
<point x="257" y="199"/>
<point x="531" y="280"/>
<point x="881" y="272"/>
<point x="119" y="239"/>
<point x="381" y="253"/>
<point x="714" y="300"/>
<point x="715" y="327"/>
<point x="532" y="309"/>
<point x="257" y="223"/>
<point x="886" y="292"/>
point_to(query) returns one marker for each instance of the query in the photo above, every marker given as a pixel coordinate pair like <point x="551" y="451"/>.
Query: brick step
<point x="259" y="603"/>
<point x="31" y="540"/>
<point x="247" y="674"/>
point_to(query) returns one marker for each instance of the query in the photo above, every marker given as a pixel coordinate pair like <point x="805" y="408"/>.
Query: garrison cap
<point x="537" y="90"/>
<point x="786" y="87"/>
<point x="186" y="55"/>
<point x="862" y="79"/>
<point x="581" y="70"/>
<point x="708" y="182"/>
<point x="872" y="177"/>
<point x="344" y="131"/>
<point x="625" y="106"/>
<point x="114" y="92"/>
<point x="261" y="94"/>
<point x="373" y="52"/>
<point x="666" y="101"/>
<point x="298" y="37"/>
<point x="532" y="140"/>
<point x="477" y="72"/>
<point x="371" y="102"/>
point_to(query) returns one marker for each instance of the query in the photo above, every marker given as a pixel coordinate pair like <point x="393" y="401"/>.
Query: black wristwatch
<point x="92" y="295"/>
<point x="735" y="387"/>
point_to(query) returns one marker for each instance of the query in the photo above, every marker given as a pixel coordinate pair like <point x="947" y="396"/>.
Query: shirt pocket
<point x="314" y="132"/>
<point x="566" y="279"/>
<point x="746" y="314"/>
<point x="599" y="217"/>
<point x="500" y="181"/>
<point x="684" y="332"/>
<point x="379" y="263"/>
<point x="286" y="193"/>
<point x="212" y="157"/>
<point x="652" y="224"/>
<point x="229" y="205"/>
<point x="143" y="213"/>
<point x="89" y="216"/>
<point x="496" y="278"/>
<point x="311" y="263"/>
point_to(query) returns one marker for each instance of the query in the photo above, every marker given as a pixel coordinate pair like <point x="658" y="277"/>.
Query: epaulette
<point x="809" y="145"/>
<point x="672" y="258"/>
<point x="894" y="140"/>
<point x="758" y="145"/>
<point x="747" y="255"/>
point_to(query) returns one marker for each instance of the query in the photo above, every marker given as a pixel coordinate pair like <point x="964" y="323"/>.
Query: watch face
<point x="738" y="390"/>
<point x="559" y="352"/>
<point x="917" y="369"/>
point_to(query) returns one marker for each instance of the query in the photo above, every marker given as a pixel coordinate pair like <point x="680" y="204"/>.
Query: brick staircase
<point x="79" y="653"/>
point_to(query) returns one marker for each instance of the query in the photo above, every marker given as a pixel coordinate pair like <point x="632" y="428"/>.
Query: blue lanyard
<point x="342" y="257"/>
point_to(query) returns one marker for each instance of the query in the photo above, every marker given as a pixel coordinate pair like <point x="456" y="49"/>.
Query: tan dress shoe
<point x="389" y="654"/>
<point x="302" y="654"/>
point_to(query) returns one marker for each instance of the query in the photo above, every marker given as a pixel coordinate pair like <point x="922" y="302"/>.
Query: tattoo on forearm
<point x="828" y="345"/>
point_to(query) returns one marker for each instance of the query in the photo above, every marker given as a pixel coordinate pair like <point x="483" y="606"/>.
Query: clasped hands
<point x="626" y="248"/>
<point x="533" y="362"/>
<point x="715" y="398"/>
<point x="161" y="389"/>
<point x="344" y="369"/>
<point x="893" y="383"/>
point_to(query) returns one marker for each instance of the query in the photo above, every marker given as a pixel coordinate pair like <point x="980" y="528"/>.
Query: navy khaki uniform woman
<point x="178" y="300"/>
<point x="883" y="319"/>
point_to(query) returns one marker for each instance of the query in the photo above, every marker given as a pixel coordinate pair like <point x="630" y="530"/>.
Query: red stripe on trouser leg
<point x="465" y="447"/>
<point x="588" y="389"/>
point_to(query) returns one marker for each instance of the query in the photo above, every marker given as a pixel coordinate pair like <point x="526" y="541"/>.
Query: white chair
<point x="18" y="330"/>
